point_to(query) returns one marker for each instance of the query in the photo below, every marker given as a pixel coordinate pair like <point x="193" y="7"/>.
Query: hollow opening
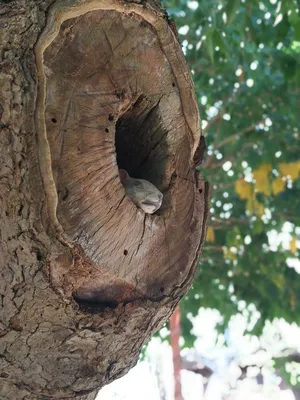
<point x="141" y="142"/>
<point x="94" y="300"/>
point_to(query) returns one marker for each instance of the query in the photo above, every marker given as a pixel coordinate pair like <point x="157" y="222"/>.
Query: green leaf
<point x="249" y="24"/>
<point x="231" y="9"/>
<point x="294" y="20"/>
<point x="219" y="41"/>
<point x="258" y="226"/>
<point x="209" y="43"/>
<point x="283" y="28"/>
<point x="255" y="91"/>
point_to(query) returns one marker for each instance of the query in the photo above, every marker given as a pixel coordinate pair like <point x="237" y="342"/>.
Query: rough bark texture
<point x="87" y="87"/>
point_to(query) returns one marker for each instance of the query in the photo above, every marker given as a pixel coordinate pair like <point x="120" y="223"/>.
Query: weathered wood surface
<point x="106" y="88"/>
<point x="110" y="86"/>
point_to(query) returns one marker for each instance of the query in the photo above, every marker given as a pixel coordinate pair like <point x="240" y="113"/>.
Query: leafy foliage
<point x="245" y="61"/>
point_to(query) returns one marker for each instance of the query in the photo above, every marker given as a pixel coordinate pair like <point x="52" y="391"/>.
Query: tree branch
<point x="214" y="165"/>
<point x="216" y="222"/>
<point x="213" y="247"/>
<point x="236" y="135"/>
<point x="195" y="367"/>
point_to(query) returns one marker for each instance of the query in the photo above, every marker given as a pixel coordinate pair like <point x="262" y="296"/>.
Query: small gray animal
<point x="143" y="194"/>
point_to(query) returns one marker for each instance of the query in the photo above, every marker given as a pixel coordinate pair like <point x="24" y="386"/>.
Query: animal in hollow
<point x="142" y="193"/>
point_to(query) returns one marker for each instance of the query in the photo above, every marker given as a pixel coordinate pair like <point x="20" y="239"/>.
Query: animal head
<point x="143" y="194"/>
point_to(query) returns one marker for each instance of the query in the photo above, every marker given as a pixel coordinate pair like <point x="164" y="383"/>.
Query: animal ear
<point x="123" y="175"/>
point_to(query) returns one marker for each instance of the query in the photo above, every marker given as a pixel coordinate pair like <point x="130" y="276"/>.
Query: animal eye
<point x="137" y="184"/>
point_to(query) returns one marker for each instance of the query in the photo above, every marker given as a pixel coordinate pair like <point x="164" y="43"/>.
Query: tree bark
<point x="87" y="87"/>
<point x="175" y="330"/>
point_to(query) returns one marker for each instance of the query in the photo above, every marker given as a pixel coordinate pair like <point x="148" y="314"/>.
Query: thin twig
<point x="240" y="133"/>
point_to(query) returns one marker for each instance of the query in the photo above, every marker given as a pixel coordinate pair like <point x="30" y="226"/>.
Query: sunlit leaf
<point x="262" y="181"/>
<point x="210" y="235"/>
<point x="279" y="280"/>
<point x="254" y="207"/>
<point x="278" y="185"/>
<point x="243" y="189"/>
<point x="290" y="170"/>
<point x="293" y="301"/>
<point x="293" y="245"/>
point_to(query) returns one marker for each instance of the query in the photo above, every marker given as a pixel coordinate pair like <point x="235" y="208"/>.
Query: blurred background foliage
<point x="245" y="62"/>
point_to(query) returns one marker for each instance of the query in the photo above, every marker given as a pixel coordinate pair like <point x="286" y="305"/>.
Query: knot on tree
<point x="114" y="92"/>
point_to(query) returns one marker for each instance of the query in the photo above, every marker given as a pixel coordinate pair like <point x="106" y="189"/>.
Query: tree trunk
<point x="175" y="330"/>
<point x="296" y="393"/>
<point x="87" y="87"/>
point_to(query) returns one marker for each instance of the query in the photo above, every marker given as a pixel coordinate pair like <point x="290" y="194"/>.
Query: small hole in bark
<point x="65" y="194"/>
<point x="162" y="289"/>
<point x="54" y="120"/>
<point x="200" y="190"/>
<point x="96" y="300"/>
<point x="125" y="252"/>
<point x="106" y="130"/>
<point x="20" y="210"/>
<point x="173" y="84"/>
<point x="38" y="254"/>
<point x="110" y="117"/>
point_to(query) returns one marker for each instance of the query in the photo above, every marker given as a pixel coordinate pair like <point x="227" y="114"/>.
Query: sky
<point x="222" y="354"/>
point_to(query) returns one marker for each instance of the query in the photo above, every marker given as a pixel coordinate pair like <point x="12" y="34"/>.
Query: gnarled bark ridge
<point x="88" y="87"/>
